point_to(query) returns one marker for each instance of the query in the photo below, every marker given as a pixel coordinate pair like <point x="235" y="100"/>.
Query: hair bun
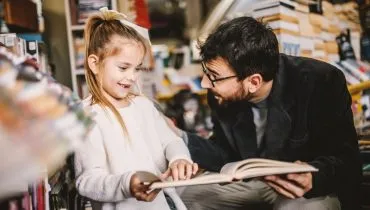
<point x="112" y="14"/>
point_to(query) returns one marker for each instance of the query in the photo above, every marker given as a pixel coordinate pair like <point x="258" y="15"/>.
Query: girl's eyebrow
<point x="128" y="64"/>
<point x="124" y="63"/>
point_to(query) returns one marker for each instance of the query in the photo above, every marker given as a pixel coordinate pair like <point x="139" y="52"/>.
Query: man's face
<point x="221" y="80"/>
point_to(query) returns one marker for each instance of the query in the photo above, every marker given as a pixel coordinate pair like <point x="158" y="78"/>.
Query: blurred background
<point x="42" y="77"/>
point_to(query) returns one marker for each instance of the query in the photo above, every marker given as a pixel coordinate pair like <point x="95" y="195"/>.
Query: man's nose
<point x="205" y="83"/>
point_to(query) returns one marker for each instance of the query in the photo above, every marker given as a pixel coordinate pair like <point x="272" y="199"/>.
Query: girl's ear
<point x="93" y="61"/>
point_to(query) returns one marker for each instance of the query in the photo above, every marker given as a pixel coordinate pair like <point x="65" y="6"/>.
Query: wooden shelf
<point x="21" y="15"/>
<point x="73" y="28"/>
<point x="353" y="89"/>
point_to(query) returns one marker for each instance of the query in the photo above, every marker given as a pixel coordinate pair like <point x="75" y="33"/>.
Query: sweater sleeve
<point x="93" y="179"/>
<point x="173" y="145"/>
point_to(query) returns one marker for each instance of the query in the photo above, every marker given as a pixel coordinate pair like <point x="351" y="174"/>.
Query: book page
<point x="211" y="178"/>
<point x="147" y="177"/>
<point x="264" y="171"/>
<point x="233" y="167"/>
<point x="264" y="163"/>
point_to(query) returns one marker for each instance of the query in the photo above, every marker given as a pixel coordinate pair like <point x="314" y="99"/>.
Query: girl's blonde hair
<point x="99" y="30"/>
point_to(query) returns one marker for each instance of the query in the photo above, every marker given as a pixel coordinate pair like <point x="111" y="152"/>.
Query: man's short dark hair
<point x="248" y="45"/>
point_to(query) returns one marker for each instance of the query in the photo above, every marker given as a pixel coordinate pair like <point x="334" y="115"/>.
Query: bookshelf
<point x="20" y="15"/>
<point x="75" y="31"/>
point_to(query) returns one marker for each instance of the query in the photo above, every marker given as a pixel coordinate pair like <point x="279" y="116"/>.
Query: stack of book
<point x="330" y="31"/>
<point x="281" y="16"/>
<point x="304" y="33"/>
<point x="306" y="30"/>
<point x="338" y="18"/>
<point x="23" y="48"/>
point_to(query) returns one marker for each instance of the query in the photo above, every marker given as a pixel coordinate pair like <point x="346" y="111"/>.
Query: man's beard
<point x="239" y="95"/>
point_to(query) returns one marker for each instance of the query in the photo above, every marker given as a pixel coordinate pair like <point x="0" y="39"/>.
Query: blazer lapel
<point x="244" y="133"/>
<point x="227" y="128"/>
<point x="276" y="133"/>
<point x="280" y="102"/>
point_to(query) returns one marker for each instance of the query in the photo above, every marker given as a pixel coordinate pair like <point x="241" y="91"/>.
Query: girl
<point x="130" y="135"/>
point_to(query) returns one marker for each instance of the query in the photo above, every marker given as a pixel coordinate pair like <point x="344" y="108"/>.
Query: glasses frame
<point x="206" y="72"/>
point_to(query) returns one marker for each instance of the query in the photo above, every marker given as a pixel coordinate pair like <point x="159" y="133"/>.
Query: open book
<point x="244" y="169"/>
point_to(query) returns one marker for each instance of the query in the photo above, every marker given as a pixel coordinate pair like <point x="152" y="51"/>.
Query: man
<point x="271" y="105"/>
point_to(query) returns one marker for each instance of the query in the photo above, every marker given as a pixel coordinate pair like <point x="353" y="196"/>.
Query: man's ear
<point x="93" y="61"/>
<point x="255" y="82"/>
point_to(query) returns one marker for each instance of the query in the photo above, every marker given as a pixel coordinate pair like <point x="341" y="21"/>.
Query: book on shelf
<point x="351" y="80"/>
<point x="355" y="69"/>
<point x="273" y="3"/>
<point x="302" y="8"/>
<point x="87" y="8"/>
<point x="32" y="50"/>
<point x="282" y="17"/>
<point x="14" y="43"/>
<point x="231" y="172"/>
<point x="284" y="25"/>
<point x="260" y="11"/>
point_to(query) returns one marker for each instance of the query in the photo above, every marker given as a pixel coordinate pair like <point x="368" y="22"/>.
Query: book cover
<point x="234" y="171"/>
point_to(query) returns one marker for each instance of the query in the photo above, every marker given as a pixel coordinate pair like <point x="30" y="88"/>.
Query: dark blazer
<point x="309" y="119"/>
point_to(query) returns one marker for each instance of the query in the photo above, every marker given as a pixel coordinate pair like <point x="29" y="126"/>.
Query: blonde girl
<point x="130" y="135"/>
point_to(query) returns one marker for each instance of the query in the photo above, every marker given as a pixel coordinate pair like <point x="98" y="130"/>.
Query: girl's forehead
<point x="116" y="39"/>
<point x="118" y="44"/>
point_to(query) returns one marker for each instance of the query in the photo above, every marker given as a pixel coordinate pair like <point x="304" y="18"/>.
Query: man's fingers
<point x="302" y="180"/>
<point x="280" y="190"/>
<point x="287" y="186"/>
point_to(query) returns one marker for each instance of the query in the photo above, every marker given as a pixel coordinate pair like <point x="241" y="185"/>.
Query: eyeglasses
<point x="211" y="77"/>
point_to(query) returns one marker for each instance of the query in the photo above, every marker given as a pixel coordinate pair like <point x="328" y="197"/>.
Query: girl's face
<point x="119" y="72"/>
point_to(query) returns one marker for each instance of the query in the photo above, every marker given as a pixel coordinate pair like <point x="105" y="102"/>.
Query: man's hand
<point x="180" y="169"/>
<point x="291" y="185"/>
<point x="141" y="191"/>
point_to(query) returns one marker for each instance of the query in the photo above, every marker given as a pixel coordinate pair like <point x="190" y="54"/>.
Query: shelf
<point x="353" y="89"/>
<point x="20" y="15"/>
<point x="169" y="96"/>
<point x="77" y="27"/>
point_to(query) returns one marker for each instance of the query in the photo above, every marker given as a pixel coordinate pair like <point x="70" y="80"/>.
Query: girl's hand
<point x="180" y="169"/>
<point x="140" y="191"/>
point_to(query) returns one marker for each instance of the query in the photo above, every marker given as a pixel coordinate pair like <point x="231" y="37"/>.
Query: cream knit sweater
<point x="105" y="163"/>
